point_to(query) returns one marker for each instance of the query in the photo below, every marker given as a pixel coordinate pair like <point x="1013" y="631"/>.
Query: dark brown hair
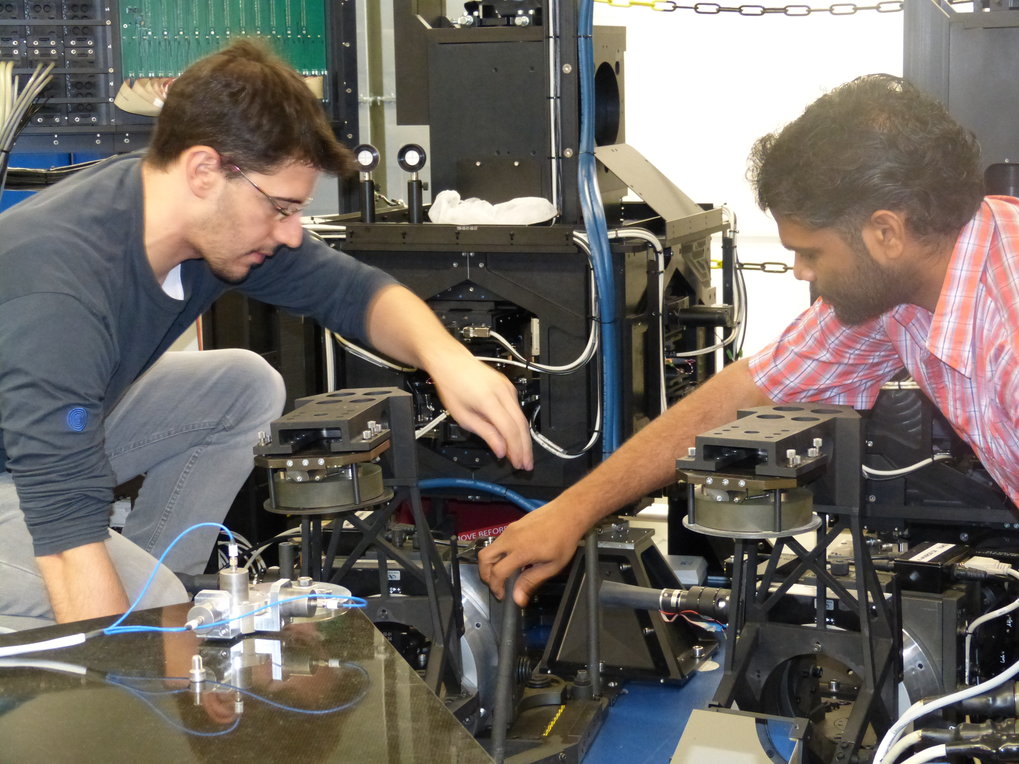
<point x="253" y="108"/>
<point x="877" y="142"/>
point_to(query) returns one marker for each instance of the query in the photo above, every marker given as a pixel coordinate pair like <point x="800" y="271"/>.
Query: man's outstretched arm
<point x="545" y="540"/>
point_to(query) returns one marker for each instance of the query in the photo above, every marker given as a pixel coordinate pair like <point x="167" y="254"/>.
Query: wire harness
<point x="16" y="104"/>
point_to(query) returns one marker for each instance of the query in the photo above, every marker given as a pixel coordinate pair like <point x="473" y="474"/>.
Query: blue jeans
<point x="188" y="424"/>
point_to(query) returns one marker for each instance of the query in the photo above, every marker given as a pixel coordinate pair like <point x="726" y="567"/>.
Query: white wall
<point x="701" y="89"/>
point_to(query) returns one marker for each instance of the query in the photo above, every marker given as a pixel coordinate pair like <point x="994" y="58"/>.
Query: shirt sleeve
<point x="820" y="359"/>
<point x="56" y="359"/>
<point x="319" y="281"/>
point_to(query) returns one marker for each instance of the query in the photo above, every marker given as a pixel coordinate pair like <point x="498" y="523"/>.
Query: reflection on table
<point x="323" y="690"/>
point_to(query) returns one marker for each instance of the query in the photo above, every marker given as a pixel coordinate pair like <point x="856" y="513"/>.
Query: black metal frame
<point x="760" y="644"/>
<point x="437" y="615"/>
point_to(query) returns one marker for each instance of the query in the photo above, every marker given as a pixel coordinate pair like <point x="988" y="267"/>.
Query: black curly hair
<point x="877" y="142"/>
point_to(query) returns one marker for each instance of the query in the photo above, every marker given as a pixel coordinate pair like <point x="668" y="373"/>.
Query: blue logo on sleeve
<point x="77" y="419"/>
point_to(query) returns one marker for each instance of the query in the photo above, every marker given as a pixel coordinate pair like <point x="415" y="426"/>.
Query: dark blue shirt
<point x="82" y="316"/>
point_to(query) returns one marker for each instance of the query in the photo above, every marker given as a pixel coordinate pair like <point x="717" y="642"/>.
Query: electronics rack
<point x="97" y="44"/>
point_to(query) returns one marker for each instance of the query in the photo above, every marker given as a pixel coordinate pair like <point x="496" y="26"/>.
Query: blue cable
<point x="597" y="233"/>
<point x="121" y="681"/>
<point x="116" y="628"/>
<point x="436" y="484"/>
<point x="362" y="692"/>
<point x="140" y="695"/>
<point x="159" y="562"/>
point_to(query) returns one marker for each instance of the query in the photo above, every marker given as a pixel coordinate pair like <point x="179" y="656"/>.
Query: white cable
<point x="927" y="706"/>
<point x="45" y="665"/>
<point x="22" y="102"/>
<point x="928" y="754"/>
<point x="431" y="425"/>
<point x="578" y="363"/>
<point x="1004" y="610"/>
<point x="330" y="363"/>
<point x="557" y="450"/>
<point x="48" y="644"/>
<point x="902" y="746"/>
<point x="710" y="349"/>
<point x="738" y="323"/>
<point x="872" y="472"/>
<point x="367" y="355"/>
<point x="5" y="78"/>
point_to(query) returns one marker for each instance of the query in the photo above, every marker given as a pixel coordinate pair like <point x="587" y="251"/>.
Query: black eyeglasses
<point x="284" y="212"/>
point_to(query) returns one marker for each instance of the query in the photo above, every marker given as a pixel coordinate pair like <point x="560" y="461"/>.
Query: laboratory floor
<point x="644" y="724"/>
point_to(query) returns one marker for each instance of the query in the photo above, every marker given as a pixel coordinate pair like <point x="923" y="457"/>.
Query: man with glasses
<point x="101" y="273"/>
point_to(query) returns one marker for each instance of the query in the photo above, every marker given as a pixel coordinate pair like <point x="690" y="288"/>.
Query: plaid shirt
<point x="964" y="356"/>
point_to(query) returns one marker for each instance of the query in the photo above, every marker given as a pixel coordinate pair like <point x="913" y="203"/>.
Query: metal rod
<point x="305" y="545"/>
<point x="415" y="206"/>
<point x="335" y="532"/>
<point x="593" y="611"/>
<point x="315" y="563"/>
<point x="504" y="676"/>
<point x="355" y="483"/>
<point x="728" y="279"/>
<point x="367" y="196"/>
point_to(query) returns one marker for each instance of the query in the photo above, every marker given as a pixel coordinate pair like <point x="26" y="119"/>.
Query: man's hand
<point x="544" y="541"/>
<point x="484" y="402"/>
<point x="540" y="544"/>
<point x="82" y="583"/>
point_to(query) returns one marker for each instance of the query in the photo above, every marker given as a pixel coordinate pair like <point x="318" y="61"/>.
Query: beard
<point x="216" y="242"/>
<point x="868" y="292"/>
<point x="231" y="272"/>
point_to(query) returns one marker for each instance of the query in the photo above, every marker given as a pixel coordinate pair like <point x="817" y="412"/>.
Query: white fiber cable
<point x="1004" y="610"/>
<point x="924" y="707"/>
<point x="431" y="425"/>
<point x="872" y="472"/>
<point x="928" y="754"/>
<point x="49" y="644"/>
<point x="903" y="745"/>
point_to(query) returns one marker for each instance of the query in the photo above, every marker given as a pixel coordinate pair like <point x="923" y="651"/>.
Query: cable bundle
<point x="16" y="106"/>
<point x="34" y="178"/>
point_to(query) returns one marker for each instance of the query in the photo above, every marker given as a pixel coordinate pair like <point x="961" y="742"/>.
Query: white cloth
<point x="448" y="207"/>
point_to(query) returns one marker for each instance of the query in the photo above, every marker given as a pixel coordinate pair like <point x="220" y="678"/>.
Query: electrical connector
<point x="476" y="332"/>
<point x="988" y="565"/>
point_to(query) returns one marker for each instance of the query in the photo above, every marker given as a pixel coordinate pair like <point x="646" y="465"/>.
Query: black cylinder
<point x="367" y="199"/>
<point x="706" y="601"/>
<point x="415" y="206"/>
<point x="1002" y="179"/>
<point x="504" y="673"/>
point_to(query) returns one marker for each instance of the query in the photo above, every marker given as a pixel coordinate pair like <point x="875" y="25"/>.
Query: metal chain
<point x="767" y="267"/>
<point x="711" y="9"/>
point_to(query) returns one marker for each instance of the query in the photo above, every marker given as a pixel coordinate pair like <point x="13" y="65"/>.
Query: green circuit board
<point x="161" y="38"/>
